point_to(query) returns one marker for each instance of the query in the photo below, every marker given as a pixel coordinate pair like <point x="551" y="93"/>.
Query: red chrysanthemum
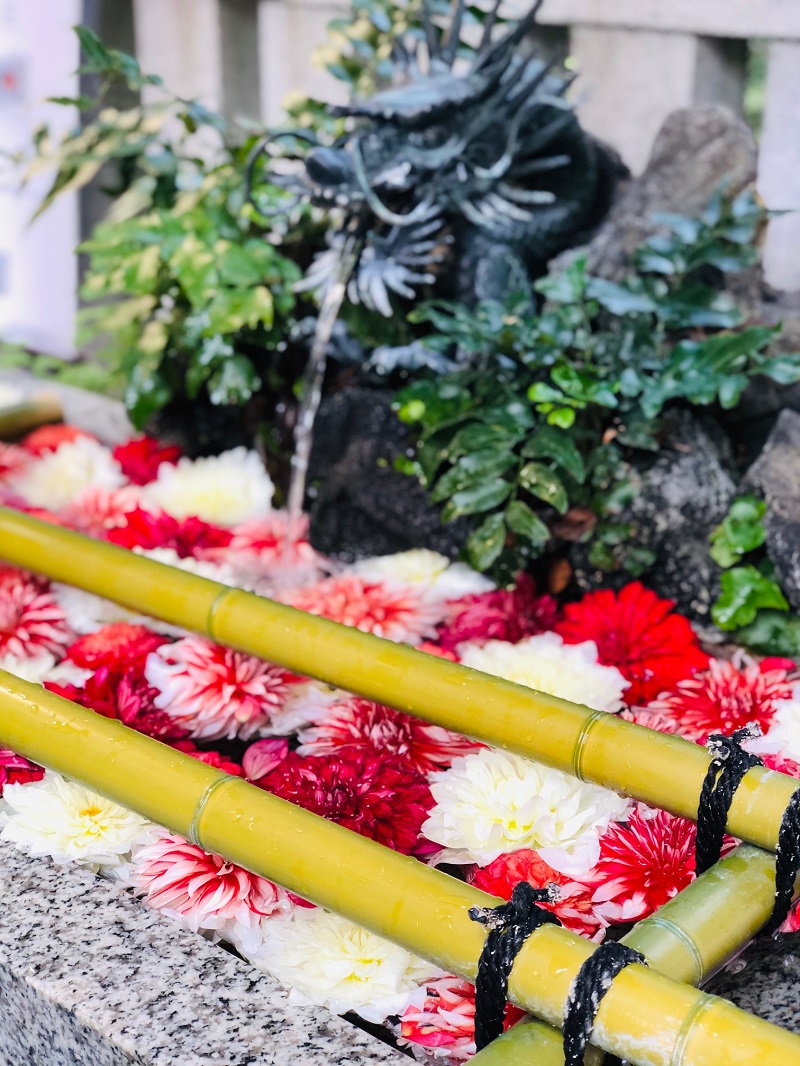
<point x="503" y="614"/>
<point x="117" y="646"/>
<point x="31" y="621"/>
<point x="574" y="909"/>
<point x="380" y="798"/>
<point x="15" y="770"/>
<point x="640" y="634"/>
<point x="48" y="438"/>
<point x="643" y="863"/>
<point x="140" y="458"/>
<point x="778" y="762"/>
<point x="726" y="697"/>
<point x="397" y="612"/>
<point x="186" y="536"/>
<point x="357" y="725"/>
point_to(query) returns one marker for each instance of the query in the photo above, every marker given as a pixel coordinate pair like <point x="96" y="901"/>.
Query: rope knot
<point x="725" y="749"/>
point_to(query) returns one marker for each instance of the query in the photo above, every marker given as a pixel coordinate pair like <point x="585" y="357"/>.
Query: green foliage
<point x="746" y="591"/>
<point x="740" y="532"/>
<point x="551" y="407"/>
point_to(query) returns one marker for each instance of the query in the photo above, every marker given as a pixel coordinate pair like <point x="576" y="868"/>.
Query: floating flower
<point x="55" y="478"/>
<point x="492" y="803"/>
<point x="327" y="961"/>
<point x="14" y="770"/>
<point x="184" y="536"/>
<point x="642" y="864"/>
<point x="117" y="646"/>
<point x="31" y="621"/>
<point x="547" y="664"/>
<point x="95" y="511"/>
<point x="70" y="823"/>
<point x="358" y="725"/>
<point x="224" y="490"/>
<point x="504" y="614"/>
<point x="271" y="554"/>
<point x="641" y="634"/>
<point x="382" y="798"/>
<point x="652" y="720"/>
<point x="397" y="612"/>
<point x="140" y="458"/>
<point x="726" y="697"/>
<point x="214" y="692"/>
<point x="574" y="908"/>
<point x="207" y="893"/>
<point x="443" y="579"/>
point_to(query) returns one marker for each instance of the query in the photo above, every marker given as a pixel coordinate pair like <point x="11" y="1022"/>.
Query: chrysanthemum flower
<point x="641" y="634"/>
<point x="326" y="960"/>
<point x="43" y="668"/>
<point x="48" y="438"/>
<point x="117" y="646"/>
<point x="70" y="823"/>
<point x="726" y="697"/>
<point x="643" y="863"/>
<point x="95" y="511"/>
<point x="141" y="457"/>
<point x="207" y="893"/>
<point x="397" y="612"/>
<point x="492" y="803"/>
<point x="185" y="536"/>
<point x="55" y="478"/>
<point x="503" y="614"/>
<point x="31" y="621"/>
<point x="547" y="664"/>
<point x="440" y="1018"/>
<point x="428" y="570"/>
<point x="223" y="490"/>
<point x="214" y="692"/>
<point x="653" y="720"/>
<point x="382" y="798"/>
<point x="15" y="770"/>
<point x="273" y="553"/>
<point x="13" y="460"/>
<point x="357" y="725"/>
<point x="574" y="908"/>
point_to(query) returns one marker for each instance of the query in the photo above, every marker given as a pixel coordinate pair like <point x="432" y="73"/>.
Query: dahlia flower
<point x="48" y="438"/>
<point x="155" y="529"/>
<point x="397" y="612"/>
<point x="428" y="570"/>
<point x="141" y="457"/>
<point x="70" y="823"/>
<point x="357" y="725"/>
<point x="653" y="720"/>
<point x="32" y="622"/>
<point x="55" y="478"/>
<point x="13" y="460"/>
<point x="96" y="511"/>
<point x="214" y="692"/>
<point x="15" y="770"/>
<point x="492" y="803"/>
<point x="327" y="961"/>
<point x="726" y="697"/>
<point x="547" y="664"/>
<point x="118" y="646"/>
<point x="272" y="554"/>
<point x="223" y="490"/>
<point x="643" y="864"/>
<point x="207" y="893"/>
<point x="640" y="634"/>
<point x="574" y="908"/>
<point x="504" y="614"/>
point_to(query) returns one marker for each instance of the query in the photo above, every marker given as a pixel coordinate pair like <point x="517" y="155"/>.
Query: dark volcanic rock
<point x="359" y="504"/>
<point x="765" y="980"/>
<point x="775" y="475"/>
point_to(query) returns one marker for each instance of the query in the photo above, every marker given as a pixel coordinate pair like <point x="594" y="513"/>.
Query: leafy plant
<point x="536" y="430"/>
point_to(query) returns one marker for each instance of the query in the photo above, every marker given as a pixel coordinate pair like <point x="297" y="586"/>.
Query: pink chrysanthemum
<point x="503" y="614"/>
<point x="652" y="720"/>
<point x="140" y="458"/>
<point x="397" y="612"/>
<point x="357" y="725"/>
<point x="31" y="622"/>
<point x="381" y="798"/>
<point x="207" y="892"/>
<point x="15" y="770"/>
<point x="214" y="692"/>
<point x="186" y="536"/>
<point x="272" y="554"/>
<point x="643" y="863"/>
<point x="95" y="510"/>
<point x="441" y="1019"/>
<point x="726" y="697"/>
<point x="575" y="909"/>
<point x="12" y="459"/>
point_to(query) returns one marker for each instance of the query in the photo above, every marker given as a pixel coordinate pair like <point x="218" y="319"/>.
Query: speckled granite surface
<point x="765" y="980"/>
<point x="90" y="977"/>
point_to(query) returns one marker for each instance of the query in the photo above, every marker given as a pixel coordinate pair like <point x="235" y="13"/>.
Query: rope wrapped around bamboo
<point x="664" y="771"/>
<point x="645" y="1017"/>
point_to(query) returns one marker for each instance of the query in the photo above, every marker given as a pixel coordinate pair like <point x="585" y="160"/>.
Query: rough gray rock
<point x="764" y="980"/>
<point x="775" y="475"/>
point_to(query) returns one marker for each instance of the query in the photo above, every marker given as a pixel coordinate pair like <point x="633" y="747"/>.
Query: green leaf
<point x="483" y="497"/>
<point x="522" y="520"/>
<point x="486" y="543"/>
<point x="543" y="483"/>
<point x="772" y="633"/>
<point x="235" y="381"/>
<point x="553" y="443"/>
<point x="619" y="299"/>
<point x="472" y="469"/>
<point x="740" y="532"/>
<point x="745" y="591"/>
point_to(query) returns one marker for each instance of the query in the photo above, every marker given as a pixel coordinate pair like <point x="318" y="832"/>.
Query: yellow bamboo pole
<point x="664" y="771"/>
<point x="20" y="418"/>
<point x="645" y="1017"/>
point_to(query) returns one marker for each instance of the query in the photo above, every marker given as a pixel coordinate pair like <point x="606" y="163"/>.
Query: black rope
<point x="729" y="764"/>
<point x="787" y="864"/>
<point x="509" y="927"/>
<point x="587" y="990"/>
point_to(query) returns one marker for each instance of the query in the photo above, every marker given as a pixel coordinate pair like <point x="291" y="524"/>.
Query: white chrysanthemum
<point x="547" y="664"/>
<point x="326" y="960"/>
<point x="783" y="736"/>
<point x="56" y="478"/>
<point x="224" y="490"/>
<point x="10" y="396"/>
<point x="420" y="566"/>
<point x="41" y="668"/>
<point x="70" y="823"/>
<point x="492" y="803"/>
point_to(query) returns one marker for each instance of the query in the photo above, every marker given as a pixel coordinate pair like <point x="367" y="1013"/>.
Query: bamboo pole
<point x="645" y="1017"/>
<point x="664" y="771"/>
<point x="20" y="418"/>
